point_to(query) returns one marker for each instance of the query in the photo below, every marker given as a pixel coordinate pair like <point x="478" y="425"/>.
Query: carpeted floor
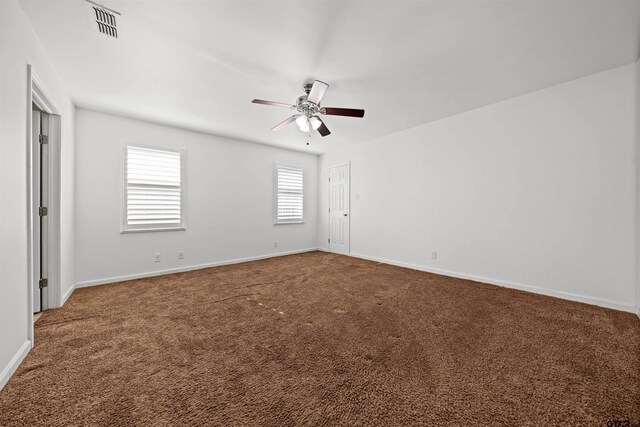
<point x="323" y="339"/>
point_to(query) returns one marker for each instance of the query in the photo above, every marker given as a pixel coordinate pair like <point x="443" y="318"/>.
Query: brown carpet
<point x="323" y="339"/>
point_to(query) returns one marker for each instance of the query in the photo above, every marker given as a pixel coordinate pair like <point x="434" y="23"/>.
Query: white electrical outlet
<point x="157" y="258"/>
<point x="434" y="255"/>
<point x="180" y="255"/>
<point x="275" y="244"/>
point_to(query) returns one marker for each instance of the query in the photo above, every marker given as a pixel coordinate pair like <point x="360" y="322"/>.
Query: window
<point x="289" y="203"/>
<point x="154" y="196"/>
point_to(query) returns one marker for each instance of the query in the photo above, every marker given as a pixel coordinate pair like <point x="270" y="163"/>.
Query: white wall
<point x="229" y="201"/>
<point x="537" y="192"/>
<point x="20" y="46"/>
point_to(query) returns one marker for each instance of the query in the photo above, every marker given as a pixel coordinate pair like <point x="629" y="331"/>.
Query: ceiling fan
<point x="308" y="107"/>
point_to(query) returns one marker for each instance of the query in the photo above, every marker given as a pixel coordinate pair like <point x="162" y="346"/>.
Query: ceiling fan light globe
<point x="304" y="128"/>
<point x="303" y="123"/>
<point x="315" y="122"/>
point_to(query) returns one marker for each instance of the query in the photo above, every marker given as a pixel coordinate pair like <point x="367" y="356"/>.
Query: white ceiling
<point x="198" y="64"/>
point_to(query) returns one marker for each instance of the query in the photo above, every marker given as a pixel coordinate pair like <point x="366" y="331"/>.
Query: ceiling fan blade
<point x="275" y="104"/>
<point x="284" y="123"/>
<point x="324" y="131"/>
<point x="349" y="112"/>
<point x="317" y="92"/>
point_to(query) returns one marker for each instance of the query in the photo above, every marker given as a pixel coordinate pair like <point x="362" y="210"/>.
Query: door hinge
<point x="329" y="240"/>
<point x="44" y="139"/>
<point x="43" y="283"/>
<point x="43" y="211"/>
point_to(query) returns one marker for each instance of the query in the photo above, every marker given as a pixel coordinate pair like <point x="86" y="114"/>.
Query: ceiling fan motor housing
<point x="305" y="107"/>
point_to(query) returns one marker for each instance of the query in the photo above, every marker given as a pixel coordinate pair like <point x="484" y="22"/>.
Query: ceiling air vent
<point x="103" y="19"/>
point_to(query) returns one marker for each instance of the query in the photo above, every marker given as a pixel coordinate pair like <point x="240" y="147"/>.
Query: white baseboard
<point x="189" y="268"/>
<point x="67" y="294"/>
<point x="15" y="361"/>
<point x="535" y="289"/>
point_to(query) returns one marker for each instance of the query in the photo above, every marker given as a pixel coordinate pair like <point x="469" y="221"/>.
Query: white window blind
<point x="154" y="189"/>
<point x="289" y="194"/>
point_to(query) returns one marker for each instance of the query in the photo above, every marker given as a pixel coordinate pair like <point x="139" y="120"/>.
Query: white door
<point x="41" y="218"/>
<point x="44" y="215"/>
<point x="35" y="120"/>
<point x="339" y="215"/>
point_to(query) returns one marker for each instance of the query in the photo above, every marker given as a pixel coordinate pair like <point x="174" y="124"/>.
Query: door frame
<point x="38" y="95"/>
<point x="348" y="164"/>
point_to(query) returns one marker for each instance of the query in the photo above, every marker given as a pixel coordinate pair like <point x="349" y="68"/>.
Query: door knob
<point x="346" y="214"/>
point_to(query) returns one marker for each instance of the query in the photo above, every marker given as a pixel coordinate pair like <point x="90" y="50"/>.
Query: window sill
<point x="287" y="222"/>
<point x="151" y="230"/>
